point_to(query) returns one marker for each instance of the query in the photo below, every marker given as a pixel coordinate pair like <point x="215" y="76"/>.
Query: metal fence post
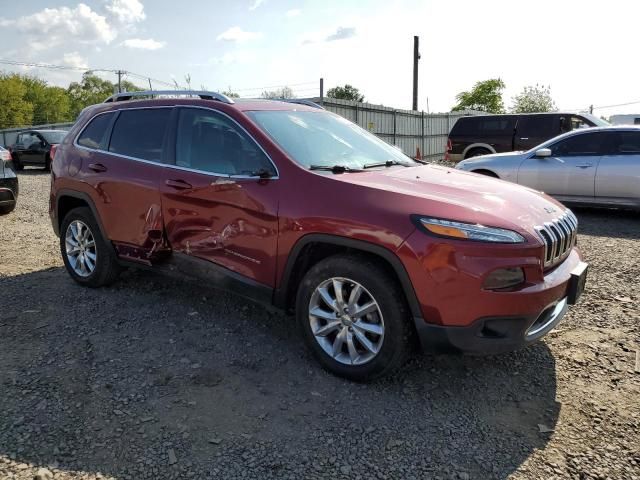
<point x="422" y="128"/>
<point x="394" y="126"/>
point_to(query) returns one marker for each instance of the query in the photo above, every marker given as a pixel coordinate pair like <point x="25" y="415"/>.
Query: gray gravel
<point x="154" y="378"/>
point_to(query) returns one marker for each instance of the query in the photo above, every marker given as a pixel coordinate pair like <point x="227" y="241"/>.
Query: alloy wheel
<point x="81" y="248"/>
<point x="346" y="321"/>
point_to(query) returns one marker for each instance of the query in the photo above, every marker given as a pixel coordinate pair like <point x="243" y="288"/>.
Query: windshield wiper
<point x="334" y="168"/>
<point x="388" y="163"/>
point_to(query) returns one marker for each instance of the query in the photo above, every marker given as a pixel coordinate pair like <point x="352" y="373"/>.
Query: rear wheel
<point x="353" y="317"/>
<point x="88" y="257"/>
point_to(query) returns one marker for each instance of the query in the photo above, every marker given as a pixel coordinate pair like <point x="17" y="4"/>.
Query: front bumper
<point x="493" y="334"/>
<point x="8" y="188"/>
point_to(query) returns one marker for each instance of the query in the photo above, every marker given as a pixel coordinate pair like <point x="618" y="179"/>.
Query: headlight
<point x="470" y="231"/>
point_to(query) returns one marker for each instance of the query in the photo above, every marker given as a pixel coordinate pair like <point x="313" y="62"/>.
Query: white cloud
<point x="74" y="59"/>
<point x="293" y="12"/>
<point x="340" y="33"/>
<point x="256" y="4"/>
<point x="126" y="11"/>
<point x="51" y="27"/>
<point x="143" y="43"/>
<point x="236" y="34"/>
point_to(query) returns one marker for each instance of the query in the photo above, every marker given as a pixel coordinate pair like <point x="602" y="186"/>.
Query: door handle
<point x="524" y="138"/>
<point x="178" y="184"/>
<point x="585" y="165"/>
<point x="97" y="167"/>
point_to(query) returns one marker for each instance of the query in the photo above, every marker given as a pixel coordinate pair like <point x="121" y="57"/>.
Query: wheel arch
<point x="485" y="171"/>
<point x="474" y="146"/>
<point x="312" y="248"/>
<point x="67" y="200"/>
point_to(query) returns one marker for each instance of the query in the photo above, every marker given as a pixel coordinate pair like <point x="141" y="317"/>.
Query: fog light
<point x="503" y="278"/>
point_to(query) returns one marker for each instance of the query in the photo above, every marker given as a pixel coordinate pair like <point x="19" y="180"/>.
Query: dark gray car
<point x="8" y="183"/>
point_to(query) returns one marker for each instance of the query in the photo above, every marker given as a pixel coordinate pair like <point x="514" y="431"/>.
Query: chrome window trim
<point x="173" y="166"/>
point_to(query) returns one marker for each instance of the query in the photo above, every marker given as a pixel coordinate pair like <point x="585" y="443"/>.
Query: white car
<point x="597" y="166"/>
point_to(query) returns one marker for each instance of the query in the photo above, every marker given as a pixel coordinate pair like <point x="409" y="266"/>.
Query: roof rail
<point x="124" y="96"/>
<point x="300" y="101"/>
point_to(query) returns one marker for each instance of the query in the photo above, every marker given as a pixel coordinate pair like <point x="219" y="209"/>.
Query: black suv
<point x="483" y="134"/>
<point x="33" y="147"/>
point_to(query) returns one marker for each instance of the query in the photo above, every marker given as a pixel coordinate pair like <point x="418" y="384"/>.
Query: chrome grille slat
<point x="558" y="237"/>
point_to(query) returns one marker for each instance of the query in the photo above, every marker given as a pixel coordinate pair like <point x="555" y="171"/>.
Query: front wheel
<point x="354" y="317"/>
<point x="88" y="257"/>
<point x="17" y="164"/>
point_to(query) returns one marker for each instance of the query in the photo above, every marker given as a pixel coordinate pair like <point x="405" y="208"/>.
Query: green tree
<point x="284" y="92"/>
<point x="128" y="86"/>
<point x="347" y="92"/>
<point x="50" y="104"/>
<point x="15" y="110"/>
<point x="89" y="91"/>
<point x="485" y="96"/>
<point x="533" y="100"/>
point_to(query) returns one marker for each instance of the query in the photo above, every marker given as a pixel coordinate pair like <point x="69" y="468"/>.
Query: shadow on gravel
<point x="152" y="378"/>
<point x="608" y="223"/>
<point x="33" y="171"/>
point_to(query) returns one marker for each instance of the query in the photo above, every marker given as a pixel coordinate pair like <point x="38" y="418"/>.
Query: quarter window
<point x="210" y="142"/>
<point x="140" y="133"/>
<point x="95" y="133"/>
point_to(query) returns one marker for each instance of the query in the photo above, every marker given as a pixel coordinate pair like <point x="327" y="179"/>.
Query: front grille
<point x="559" y="236"/>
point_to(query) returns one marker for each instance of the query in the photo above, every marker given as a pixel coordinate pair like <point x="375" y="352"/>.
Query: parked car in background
<point x="484" y="134"/>
<point x="8" y="183"/>
<point x="33" y="147"/>
<point x="298" y="207"/>
<point x="598" y="166"/>
<point x="625" y="119"/>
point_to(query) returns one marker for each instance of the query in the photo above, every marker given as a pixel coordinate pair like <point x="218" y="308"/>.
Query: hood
<point x="444" y="192"/>
<point x="490" y="156"/>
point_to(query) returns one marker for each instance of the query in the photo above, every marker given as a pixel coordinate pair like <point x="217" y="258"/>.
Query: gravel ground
<point x="154" y="378"/>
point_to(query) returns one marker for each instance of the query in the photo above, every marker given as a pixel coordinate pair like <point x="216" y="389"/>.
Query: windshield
<point x="322" y="139"/>
<point x="597" y="121"/>
<point x="53" y="137"/>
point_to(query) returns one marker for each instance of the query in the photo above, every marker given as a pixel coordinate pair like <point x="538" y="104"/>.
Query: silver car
<point x="595" y="166"/>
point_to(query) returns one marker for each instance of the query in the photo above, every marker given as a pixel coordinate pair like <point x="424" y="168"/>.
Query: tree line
<point x="27" y="100"/>
<point x="486" y="96"/>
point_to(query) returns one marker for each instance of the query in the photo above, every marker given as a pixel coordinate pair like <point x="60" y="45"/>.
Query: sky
<point x="584" y="50"/>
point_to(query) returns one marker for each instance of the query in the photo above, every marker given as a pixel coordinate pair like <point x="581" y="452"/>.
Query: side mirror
<point x="543" y="153"/>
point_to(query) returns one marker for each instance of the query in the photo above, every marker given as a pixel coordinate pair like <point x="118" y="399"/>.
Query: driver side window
<point x="579" y="145"/>
<point x="210" y="142"/>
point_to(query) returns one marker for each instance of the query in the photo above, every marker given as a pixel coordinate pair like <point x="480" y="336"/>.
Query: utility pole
<point x="416" y="57"/>
<point x="120" y="73"/>
<point x="321" y="91"/>
<point x="150" y="87"/>
<point x="591" y="109"/>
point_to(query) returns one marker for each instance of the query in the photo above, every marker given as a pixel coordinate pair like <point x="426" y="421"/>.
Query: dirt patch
<point x="154" y="378"/>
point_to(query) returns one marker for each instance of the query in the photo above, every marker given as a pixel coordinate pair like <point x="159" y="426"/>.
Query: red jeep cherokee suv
<point x="294" y="206"/>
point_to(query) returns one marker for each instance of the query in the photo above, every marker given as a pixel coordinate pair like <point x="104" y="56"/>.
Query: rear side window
<point x="485" y="125"/>
<point x="95" y="133"/>
<point x="580" y="145"/>
<point x="546" y="126"/>
<point x="140" y="133"/>
<point x="627" y="143"/>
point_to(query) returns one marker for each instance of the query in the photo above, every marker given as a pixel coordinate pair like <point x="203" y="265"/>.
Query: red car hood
<point x="453" y="194"/>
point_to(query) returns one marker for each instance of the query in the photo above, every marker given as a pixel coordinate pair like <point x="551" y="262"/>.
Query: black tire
<point x="107" y="268"/>
<point x="486" y="173"/>
<point x="476" y="152"/>
<point x="6" y="209"/>
<point x="47" y="163"/>
<point x="384" y="289"/>
<point x="17" y="164"/>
